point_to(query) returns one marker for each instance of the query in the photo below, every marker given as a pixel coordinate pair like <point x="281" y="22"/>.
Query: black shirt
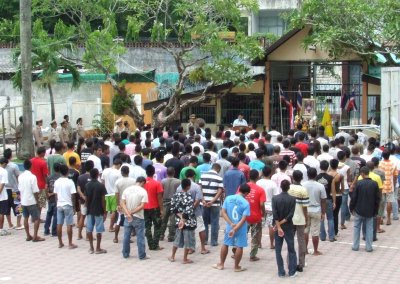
<point x="176" y="164"/>
<point x="95" y="193"/>
<point x="283" y="206"/>
<point x="85" y="153"/>
<point x="83" y="179"/>
<point x="365" y="198"/>
<point x="326" y="181"/>
<point x="50" y="185"/>
<point x="73" y="175"/>
<point x="105" y="161"/>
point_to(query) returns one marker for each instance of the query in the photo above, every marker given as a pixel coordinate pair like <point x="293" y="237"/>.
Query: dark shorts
<point x="120" y="219"/>
<point x="4" y="207"/>
<point x="14" y="199"/>
<point x="31" y="210"/>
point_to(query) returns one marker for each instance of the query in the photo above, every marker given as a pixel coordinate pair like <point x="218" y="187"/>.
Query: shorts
<point x="66" y="213"/>
<point x="387" y="197"/>
<point x="120" y="219"/>
<point x="14" y="197"/>
<point x="111" y="203"/>
<point x="381" y="210"/>
<point x="238" y="240"/>
<point x="77" y="204"/>
<point x="200" y="224"/>
<point x="83" y="209"/>
<point x="268" y="218"/>
<point x="42" y="199"/>
<point x="4" y="207"/>
<point x="31" y="210"/>
<point x="314" y="224"/>
<point x="95" y="221"/>
<point x="185" y="239"/>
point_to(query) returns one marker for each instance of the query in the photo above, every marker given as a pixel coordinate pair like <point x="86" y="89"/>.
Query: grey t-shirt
<point x="13" y="173"/>
<point x="316" y="192"/>
<point x="170" y="185"/>
<point x="196" y="194"/>
<point x="122" y="184"/>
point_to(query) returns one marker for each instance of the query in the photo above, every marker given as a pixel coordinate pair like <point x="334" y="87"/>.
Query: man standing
<point x="120" y="186"/>
<point x="283" y="207"/>
<point x="233" y="178"/>
<point x="300" y="215"/>
<point x="64" y="134"/>
<point x="256" y="199"/>
<point x="65" y="190"/>
<point x="4" y="204"/>
<point x="133" y="200"/>
<point x="71" y="153"/>
<point x="317" y="208"/>
<point x="212" y="186"/>
<point x="182" y="206"/>
<point x="240" y="121"/>
<point x="41" y="171"/>
<point x="83" y="179"/>
<point x="29" y="190"/>
<point x="18" y="133"/>
<point x="235" y="210"/>
<point x="364" y="206"/>
<point x="52" y="202"/>
<point x="57" y="157"/>
<point x="109" y="177"/>
<point x="389" y="183"/>
<point x="95" y="193"/>
<point x="95" y="157"/>
<point x="37" y="133"/>
<point x="170" y="185"/>
<point x="153" y="209"/>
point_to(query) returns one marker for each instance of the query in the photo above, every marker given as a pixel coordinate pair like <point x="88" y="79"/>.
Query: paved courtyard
<point x="27" y="262"/>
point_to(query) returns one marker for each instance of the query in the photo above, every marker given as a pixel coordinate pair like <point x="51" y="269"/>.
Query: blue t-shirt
<point x="232" y="180"/>
<point x="256" y="165"/>
<point x="236" y="207"/>
<point x="203" y="168"/>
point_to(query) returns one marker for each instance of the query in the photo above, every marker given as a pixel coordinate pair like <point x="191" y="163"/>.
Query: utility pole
<point x="25" y="8"/>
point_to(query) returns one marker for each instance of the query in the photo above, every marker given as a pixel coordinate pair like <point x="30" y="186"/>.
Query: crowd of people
<point x="172" y="186"/>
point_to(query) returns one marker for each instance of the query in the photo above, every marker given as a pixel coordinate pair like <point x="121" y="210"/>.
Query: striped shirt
<point x="210" y="183"/>
<point x="390" y="171"/>
<point x="290" y="153"/>
<point x="302" y="200"/>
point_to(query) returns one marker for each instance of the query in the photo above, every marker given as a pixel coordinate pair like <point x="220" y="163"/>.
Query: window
<point x="251" y="106"/>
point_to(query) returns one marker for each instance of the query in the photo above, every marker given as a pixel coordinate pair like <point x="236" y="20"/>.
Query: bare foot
<point x="91" y="251"/>
<point x="171" y="259"/>
<point x="271" y="247"/>
<point x="187" y="261"/>
<point x="38" y="239"/>
<point x="254" y="258"/>
<point x="72" y="246"/>
<point x="61" y="245"/>
<point x="317" y="253"/>
<point x="28" y="239"/>
<point x="218" y="266"/>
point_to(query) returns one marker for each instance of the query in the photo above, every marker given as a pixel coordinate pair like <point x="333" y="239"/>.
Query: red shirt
<point x="153" y="188"/>
<point x="40" y="170"/>
<point x="303" y="147"/>
<point x="245" y="169"/>
<point x="255" y="197"/>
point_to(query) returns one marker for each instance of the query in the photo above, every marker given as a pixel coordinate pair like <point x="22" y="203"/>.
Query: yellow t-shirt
<point x="375" y="178"/>
<point x="69" y="154"/>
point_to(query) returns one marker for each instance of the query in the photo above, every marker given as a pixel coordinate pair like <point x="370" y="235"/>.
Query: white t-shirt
<point x="302" y="168"/>
<point x="312" y="162"/>
<point x="270" y="189"/>
<point x="27" y="183"/>
<point x="3" y="181"/>
<point x="97" y="162"/>
<point x="109" y="178"/>
<point x="64" y="188"/>
<point x="274" y="135"/>
<point x="137" y="171"/>
<point x="134" y="196"/>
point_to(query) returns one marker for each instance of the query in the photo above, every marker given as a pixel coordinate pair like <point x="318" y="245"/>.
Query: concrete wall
<point x="278" y="4"/>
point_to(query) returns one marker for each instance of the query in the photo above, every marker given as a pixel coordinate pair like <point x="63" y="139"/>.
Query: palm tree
<point x="47" y="59"/>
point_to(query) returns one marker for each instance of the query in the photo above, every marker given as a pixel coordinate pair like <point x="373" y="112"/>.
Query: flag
<point x="291" y="115"/>
<point x="327" y="122"/>
<point x="299" y="101"/>
<point x="283" y="97"/>
<point x="343" y="100"/>
<point x="351" y="105"/>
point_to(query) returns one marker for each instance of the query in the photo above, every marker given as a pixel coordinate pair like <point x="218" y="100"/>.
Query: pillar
<point x="267" y="94"/>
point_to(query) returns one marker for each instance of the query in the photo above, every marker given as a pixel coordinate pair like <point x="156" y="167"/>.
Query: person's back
<point x="95" y="192"/>
<point x="365" y="198"/>
<point x="316" y="192"/>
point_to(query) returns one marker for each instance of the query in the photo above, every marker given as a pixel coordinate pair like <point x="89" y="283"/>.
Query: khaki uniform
<point x="54" y="135"/>
<point x="64" y="135"/>
<point x="38" y="136"/>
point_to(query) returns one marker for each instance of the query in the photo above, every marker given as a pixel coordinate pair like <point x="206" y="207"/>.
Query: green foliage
<point x="121" y="100"/>
<point x="360" y="26"/>
<point x="103" y="123"/>
<point x="9" y="30"/>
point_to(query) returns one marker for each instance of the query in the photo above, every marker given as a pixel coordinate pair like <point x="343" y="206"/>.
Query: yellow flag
<point x="327" y="122"/>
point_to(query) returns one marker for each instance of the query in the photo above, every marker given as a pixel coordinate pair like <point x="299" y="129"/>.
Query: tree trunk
<point x="53" y="111"/>
<point x="26" y="149"/>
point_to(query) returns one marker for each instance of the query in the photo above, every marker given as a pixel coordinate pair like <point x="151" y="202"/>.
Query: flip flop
<point x="29" y="239"/>
<point x="115" y="241"/>
<point x="91" y="251"/>
<point x="72" y="246"/>
<point x="171" y="259"/>
<point x="61" y="246"/>
<point x="205" y="252"/>
<point x="240" y="269"/>
<point x="191" y="251"/>
<point x="189" y="261"/>
<point x="216" y="266"/>
<point x="38" y="239"/>
<point x="381" y="231"/>
<point x="255" y="258"/>
<point x="100" y="251"/>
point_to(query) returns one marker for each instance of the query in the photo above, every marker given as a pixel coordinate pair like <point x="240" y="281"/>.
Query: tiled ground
<point x="27" y="262"/>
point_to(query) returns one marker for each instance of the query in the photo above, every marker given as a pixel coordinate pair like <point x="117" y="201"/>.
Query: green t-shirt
<point x="182" y="175"/>
<point x="52" y="159"/>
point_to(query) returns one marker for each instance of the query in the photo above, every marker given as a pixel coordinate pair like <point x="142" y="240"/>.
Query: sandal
<point x="100" y="251"/>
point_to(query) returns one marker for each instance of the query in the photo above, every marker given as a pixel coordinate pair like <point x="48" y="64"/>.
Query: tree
<point x="47" y="59"/>
<point x="198" y="28"/>
<point x="26" y="150"/>
<point x="365" y="27"/>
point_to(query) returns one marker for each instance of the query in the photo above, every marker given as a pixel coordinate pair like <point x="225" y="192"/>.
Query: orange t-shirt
<point x="390" y="172"/>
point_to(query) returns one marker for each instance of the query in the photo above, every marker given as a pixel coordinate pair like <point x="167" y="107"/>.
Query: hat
<point x="118" y="120"/>
<point x="39" y="119"/>
<point x="3" y="160"/>
<point x="53" y="121"/>
<point x="192" y="116"/>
